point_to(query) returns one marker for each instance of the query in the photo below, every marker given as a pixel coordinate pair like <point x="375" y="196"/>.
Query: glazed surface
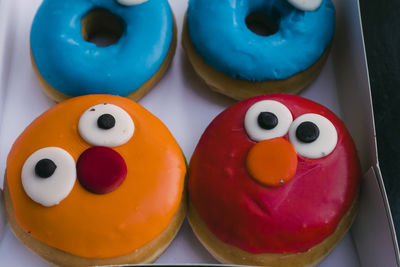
<point x="259" y="219"/>
<point x="113" y="224"/>
<point x="226" y="43"/>
<point x="76" y="67"/>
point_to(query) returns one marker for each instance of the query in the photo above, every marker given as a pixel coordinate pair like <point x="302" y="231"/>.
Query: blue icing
<point x="219" y="34"/>
<point x="76" y="67"/>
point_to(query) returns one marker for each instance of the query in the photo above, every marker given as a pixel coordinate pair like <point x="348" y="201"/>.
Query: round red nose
<point x="101" y="170"/>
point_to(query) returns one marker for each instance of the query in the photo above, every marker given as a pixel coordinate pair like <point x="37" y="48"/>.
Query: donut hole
<point x="261" y="24"/>
<point x="102" y="27"/>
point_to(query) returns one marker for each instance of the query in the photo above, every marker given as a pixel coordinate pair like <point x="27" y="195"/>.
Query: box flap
<point x="374" y="219"/>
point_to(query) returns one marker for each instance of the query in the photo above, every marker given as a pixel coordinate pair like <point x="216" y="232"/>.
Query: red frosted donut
<point x="273" y="180"/>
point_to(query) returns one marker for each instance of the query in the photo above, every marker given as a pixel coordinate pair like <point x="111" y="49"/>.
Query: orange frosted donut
<point x="95" y="180"/>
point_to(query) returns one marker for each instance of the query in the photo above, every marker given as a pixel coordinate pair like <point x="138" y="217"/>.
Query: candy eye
<point x="267" y="119"/>
<point x="106" y="125"/>
<point x="131" y="2"/>
<point x="306" y="5"/>
<point x="48" y="175"/>
<point x="313" y="136"/>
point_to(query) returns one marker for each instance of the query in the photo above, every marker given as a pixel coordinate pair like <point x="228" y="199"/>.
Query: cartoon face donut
<point x="274" y="174"/>
<point x="122" y="47"/>
<point x="251" y="48"/>
<point x="95" y="176"/>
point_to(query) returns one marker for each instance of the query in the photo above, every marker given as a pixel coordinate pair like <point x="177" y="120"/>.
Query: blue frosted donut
<point x="219" y="34"/>
<point x="74" y="66"/>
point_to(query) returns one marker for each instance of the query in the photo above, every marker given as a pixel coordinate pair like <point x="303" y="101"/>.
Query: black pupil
<point x="106" y="121"/>
<point x="267" y="120"/>
<point x="45" y="168"/>
<point x="307" y="132"/>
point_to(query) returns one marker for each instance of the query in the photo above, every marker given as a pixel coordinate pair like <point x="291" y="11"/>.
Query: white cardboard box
<point x="343" y="86"/>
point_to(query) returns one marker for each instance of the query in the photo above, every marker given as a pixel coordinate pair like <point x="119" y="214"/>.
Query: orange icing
<point x="110" y="225"/>
<point x="272" y="162"/>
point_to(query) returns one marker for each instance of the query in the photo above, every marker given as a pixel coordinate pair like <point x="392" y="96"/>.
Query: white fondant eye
<point x="131" y="2"/>
<point x="313" y="136"/>
<point x="49" y="175"/>
<point x="306" y="5"/>
<point x="106" y="125"/>
<point x="267" y="119"/>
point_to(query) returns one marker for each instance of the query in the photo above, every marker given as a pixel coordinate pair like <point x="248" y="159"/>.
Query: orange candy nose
<point x="272" y="162"/>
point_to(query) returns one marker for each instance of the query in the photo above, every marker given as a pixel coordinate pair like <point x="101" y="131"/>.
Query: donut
<point x="273" y="181"/>
<point x="251" y="48"/>
<point x="95" y="180"/>
<point x="70" y="58"/>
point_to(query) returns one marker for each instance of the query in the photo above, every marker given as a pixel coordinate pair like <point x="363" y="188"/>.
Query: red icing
<point x="287" y="219"/>
<point x="101" y="170"/>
